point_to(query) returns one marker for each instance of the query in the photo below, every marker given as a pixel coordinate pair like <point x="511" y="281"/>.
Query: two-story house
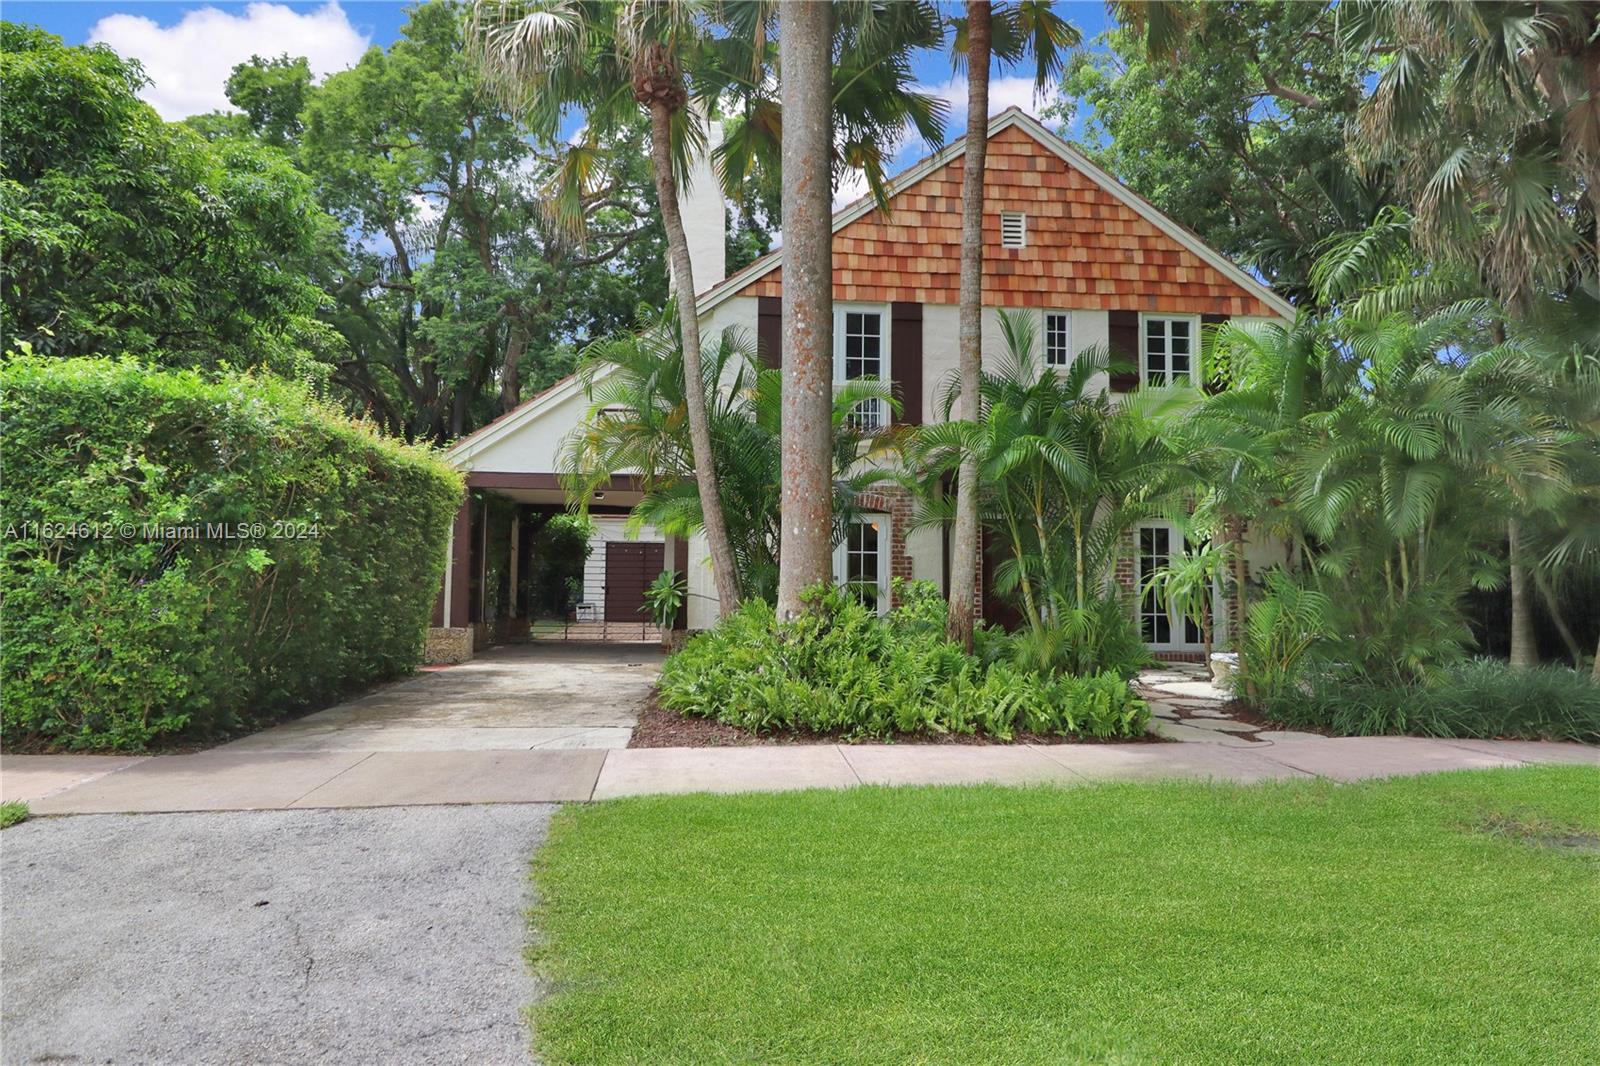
<point x="1065" y="241"/>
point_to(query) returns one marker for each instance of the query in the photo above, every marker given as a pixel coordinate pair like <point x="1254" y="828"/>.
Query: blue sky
<point x="188" y="47"/>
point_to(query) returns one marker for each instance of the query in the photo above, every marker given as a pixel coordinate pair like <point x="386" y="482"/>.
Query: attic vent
<point x="1013" y="229"/>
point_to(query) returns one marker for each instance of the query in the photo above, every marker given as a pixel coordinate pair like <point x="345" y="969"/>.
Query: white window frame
<point x="1177" y="623"/>
<point x="842" y="551"/>
<point x="886" y="373"/>
<point x="1144" y="342"/>
<point x="1044" y="332"/>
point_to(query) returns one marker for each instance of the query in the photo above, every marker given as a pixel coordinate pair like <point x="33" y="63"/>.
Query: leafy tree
<point x="1063" y="474"/>
<point x="454" y="290"/>
<point x="272" y="93"/>
<point x="126" y="234"/>
<point x="1232" y="119"/>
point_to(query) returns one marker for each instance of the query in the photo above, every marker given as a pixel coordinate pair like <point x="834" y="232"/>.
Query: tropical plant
<point x="841" y="668"/>
<point x="1188" y="583"/>
<point x="664" y="596"/>
<point x="1064" y="473"/>
<point x="1488" y="117"/>
<point x="636" y="424"/>
<point x="611" y="60"/>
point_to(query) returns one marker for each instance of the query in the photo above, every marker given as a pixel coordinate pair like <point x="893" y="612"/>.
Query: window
<point x="1168" y="350"/>
<point x="1013" y="229"/>
<point x="861" y="563"/>
<point x="1057" y="338"/>
<point x="864" y="357"/>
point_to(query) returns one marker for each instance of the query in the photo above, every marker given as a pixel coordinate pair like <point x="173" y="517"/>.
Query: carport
<point x="501" y="584"/>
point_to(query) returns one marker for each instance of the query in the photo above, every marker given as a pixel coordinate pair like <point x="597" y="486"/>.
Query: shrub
<point x="197" y="555"/>
<point x="844" y="669"/>
<point x="1475" y="698"/>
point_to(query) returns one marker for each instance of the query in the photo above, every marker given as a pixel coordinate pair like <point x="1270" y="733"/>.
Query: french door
<point x="1163" y="627"/>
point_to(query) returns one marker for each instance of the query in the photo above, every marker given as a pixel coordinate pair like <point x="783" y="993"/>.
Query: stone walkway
<point x="1186" y="706"/>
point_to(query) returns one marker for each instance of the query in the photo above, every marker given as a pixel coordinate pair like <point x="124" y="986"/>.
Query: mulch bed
<point x="659" y="727"/>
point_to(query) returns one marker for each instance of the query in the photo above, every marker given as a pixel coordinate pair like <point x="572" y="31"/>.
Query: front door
<point x="1163" y="627"/>
<point x="630" y="567"/>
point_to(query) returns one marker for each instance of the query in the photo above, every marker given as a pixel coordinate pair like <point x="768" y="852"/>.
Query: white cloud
<point x="1003" y="93"/>
<point x="188" y="63"/>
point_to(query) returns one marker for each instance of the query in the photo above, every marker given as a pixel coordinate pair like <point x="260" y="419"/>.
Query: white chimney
<point x="704" y="222"/>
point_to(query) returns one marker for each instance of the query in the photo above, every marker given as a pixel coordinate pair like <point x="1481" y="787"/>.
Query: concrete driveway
<point x="372" y="936"/>
<point x="519" y="697"/>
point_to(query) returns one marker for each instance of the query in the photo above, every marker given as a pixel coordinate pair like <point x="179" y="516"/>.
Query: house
<point x="1066" y="241"/>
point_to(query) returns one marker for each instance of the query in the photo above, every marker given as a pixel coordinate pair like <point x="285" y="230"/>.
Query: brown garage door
<point x="629" y="570"/>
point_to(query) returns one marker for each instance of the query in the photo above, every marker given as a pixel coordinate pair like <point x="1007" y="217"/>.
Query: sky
<point x="188" y="48"/>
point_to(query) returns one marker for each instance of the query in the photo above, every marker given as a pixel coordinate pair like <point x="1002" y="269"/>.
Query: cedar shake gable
<point x="1091" y="243"/>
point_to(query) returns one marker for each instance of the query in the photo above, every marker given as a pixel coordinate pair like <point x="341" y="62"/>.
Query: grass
<point x="1449" y="918"/>
<point x="12" y="813"/>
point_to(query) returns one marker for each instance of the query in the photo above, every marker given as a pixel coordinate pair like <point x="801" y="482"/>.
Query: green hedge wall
<point x="198" y="555"/>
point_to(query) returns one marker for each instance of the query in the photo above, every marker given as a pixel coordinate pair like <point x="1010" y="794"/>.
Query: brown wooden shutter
<point x="769" y="330"/>
<point x="1123" y="333"/>
<point x="1210" y="385"/>
<point x="905" y="360"/>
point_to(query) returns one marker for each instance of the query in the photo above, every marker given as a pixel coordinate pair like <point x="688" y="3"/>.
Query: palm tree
<point x="1009" y="32"/>
<point x="874" y="91"/>
<point x="806" y="58"/>
<point x="610" y="60"/>
<point x="636" y="423"/>
<point x="1063" y="473"/>
<point x="1489" y="114"/>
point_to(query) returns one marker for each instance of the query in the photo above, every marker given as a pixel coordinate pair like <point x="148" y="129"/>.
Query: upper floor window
<point x="1057" y="338"/>
<point x="1168" y="352"/>
<point x="863" y="354"/>
<point x="1013" y="229"/>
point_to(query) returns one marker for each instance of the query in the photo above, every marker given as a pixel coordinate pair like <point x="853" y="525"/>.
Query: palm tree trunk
<point x="964" y="541"/>
<point x="1523" y="651"/>
<point x="1552" y="604"/>
<point x="705" y="471"/>
<point x="805" y="53"/>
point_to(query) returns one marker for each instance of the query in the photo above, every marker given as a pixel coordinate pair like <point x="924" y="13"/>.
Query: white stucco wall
<point x="536" y="444"/>
<point x="702" y="585"/>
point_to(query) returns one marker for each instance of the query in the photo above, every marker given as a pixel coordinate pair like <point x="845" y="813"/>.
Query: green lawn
<point x="1409" y="920"/>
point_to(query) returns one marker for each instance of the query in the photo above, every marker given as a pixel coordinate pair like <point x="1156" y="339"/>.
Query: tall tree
<point x="806" y="509"/>
<point x="1255" y="159"/>
<point x="1010" y="33"/>
<point x="964" y="539"/>
<point x="123" y="234"/>
<point x="609" y="59"/>
<point x="1489" y="116"/>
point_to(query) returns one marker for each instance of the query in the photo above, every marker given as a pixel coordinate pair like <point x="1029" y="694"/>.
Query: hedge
<point x="197" y="555"/>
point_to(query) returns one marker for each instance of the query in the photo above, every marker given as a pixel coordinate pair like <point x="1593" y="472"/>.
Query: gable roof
<point x="1137" y="257"/>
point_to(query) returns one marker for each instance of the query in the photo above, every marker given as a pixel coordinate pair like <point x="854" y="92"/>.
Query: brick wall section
<point x="1085" y="248"/>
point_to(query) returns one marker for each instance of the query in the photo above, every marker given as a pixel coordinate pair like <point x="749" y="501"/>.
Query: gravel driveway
<point x="383" y="936"/>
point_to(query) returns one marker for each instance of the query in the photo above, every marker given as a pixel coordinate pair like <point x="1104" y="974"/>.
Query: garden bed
<point x="659" y="727"/>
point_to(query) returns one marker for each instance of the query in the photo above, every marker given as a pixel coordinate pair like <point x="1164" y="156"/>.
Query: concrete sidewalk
<point x="222" y="780"/>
